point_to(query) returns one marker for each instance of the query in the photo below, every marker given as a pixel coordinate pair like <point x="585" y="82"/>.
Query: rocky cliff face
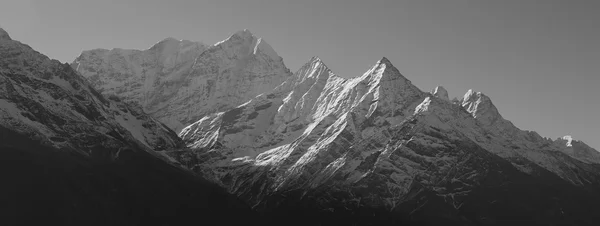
<point x="179" y="81"/>
<point x="50" y="102"/>
<point x="378" y="142"/>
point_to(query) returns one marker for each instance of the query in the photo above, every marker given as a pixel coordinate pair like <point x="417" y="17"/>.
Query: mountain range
<point x="303" y="148"/>
<point x="71" y="156"/>
<point x="179" y="81"/>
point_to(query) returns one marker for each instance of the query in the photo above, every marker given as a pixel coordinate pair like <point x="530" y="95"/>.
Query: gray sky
<point x="539" y="61"/>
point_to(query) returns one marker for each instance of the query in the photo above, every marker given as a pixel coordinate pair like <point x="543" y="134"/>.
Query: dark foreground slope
<point x="45" y="186"/>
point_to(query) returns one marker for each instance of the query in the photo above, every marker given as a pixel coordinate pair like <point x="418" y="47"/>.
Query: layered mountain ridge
<point x="171" y="78"/>
<point x="50" y="102"/>
<point x="308" y="148"/>
<point x="70" y="156"/>
<point x="372" y="139"/>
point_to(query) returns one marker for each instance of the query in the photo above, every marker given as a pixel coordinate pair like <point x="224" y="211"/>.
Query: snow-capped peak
<point x="384" y="73"/>
<point x="4" y="35"/>
<point x="440" y="92"/>
<point x="384" y="65"/>
<point x="388" y="66"/>
<point x="315" y="59"/>
<point x="469" y="95"/>
<point x="472" y="96"/>
<point x="481" y="107"/>
<point x="569" y="140"/>
<point x="314" y="68"/>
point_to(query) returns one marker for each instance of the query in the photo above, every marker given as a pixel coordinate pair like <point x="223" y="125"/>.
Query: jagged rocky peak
<point x="471" y="96"/>
<point x="315" y="63"/>
<point x="385" y="62"/>
<point x="4" y="35"/>
<point x="481" y="107"/>
<point x="386" y="70"/>
<point x="392" y="86"/>
<point x="312" y="72"/>
<point x="372" y="133"/>
<point x="440" y="92"/>
<point x="314" y="60"/>
<point x="474" y="101"/>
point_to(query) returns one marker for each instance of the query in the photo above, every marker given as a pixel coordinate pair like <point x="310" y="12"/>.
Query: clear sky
<point x="539" y="61"/>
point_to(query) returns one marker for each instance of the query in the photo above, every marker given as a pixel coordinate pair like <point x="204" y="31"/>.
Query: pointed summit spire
<point x="481" y="107"/>
<point x="315" y="59"/>
<point x="387" y="69"/>
<point x="385" y="60"/>
<point x="315" y="63"/>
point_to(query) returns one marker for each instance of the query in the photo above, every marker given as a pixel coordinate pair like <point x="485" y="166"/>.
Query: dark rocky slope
<point x="45" y="186"/>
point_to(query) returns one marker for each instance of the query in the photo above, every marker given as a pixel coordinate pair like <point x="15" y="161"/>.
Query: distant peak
<point x="4" y="35"/>
<point x="469" y="94"/>
<point x="315" y="62"/>
<point x="440" y="92"/>
<point x="473" y="96"/>
<point x="386" y="67"/>
<point x="481" y="107"/>
<point x="244" y="33"/>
